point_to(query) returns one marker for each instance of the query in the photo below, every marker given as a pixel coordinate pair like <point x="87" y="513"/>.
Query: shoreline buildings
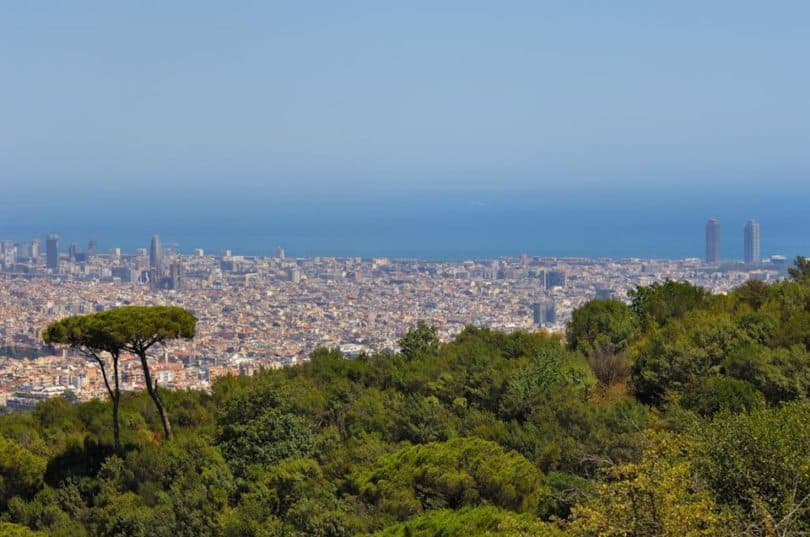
<point x="751" y="242"/>
<point x="257" y="311"/>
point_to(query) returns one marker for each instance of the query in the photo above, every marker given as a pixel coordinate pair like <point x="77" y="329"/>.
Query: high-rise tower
<point x="712" y="241"/>
<point x="751" y="242"/>
<point x="52" y="251"/>
<point x="156" y="253"/>
<point x="543" y="312"/>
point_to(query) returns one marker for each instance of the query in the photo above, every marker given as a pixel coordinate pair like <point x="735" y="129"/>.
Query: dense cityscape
<point x="273" y="311"/>
<point x="403" y="269"/>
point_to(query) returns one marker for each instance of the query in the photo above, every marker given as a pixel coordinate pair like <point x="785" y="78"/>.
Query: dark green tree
<point x="95" y="337"/>
<point x="21" y="471"/>
<point x="8" y="529"/>
<point x="781" y="374"/>
<point x="422" y="340"/>
<point x="676" y="355"/>
<point x="709" y="395"/>
<point x="755" y="293"/>
<point x="141" y="328"/>
<point x="189" y="479"/>
<point x="485" y="521"/>
<point x="601" y="325"/>
<point x="759" y="462"/>
<point x="264" y="438"/>
<point x="459" y="472"/>
<point x="660" y="302"/>
<point x="801" y="269"/>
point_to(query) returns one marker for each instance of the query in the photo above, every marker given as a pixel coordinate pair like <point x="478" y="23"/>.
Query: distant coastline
<point x="593" y="224"/>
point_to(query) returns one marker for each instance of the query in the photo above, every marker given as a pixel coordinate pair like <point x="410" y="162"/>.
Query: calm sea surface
<point x="429" y="224"/>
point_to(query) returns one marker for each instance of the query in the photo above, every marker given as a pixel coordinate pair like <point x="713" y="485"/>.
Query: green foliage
<point x="661" y="302"/>
<point x="607" y="326"/>
<point x="127" y="326"/>
<point x="94" y="332"/>
<point x="59" y="512"/>
<point x="462" y="471"/>
<point x="759" y="327"/>
<point x="658" y="496"/>
<point x="21" y="472"/>
<point x="755" y="293"/>
<point x="563" y="433"/>
<point x="485" y="521"/>
<point x="293" y="497"/>
<point x="697" y="426"/>
<point x="759" y="463"/>
<point x="133" y="329"/>
<point x="710" y="395"/>
<point x="95" y="336"/>
<point x="682" y="351"/>
<point x="781" y="374"/>
<point x="420" y="419"/>
<point x="188" y="477"/>
<point x="145" y="325"/>
<point x="265" y="439"/>
<point x="564" y="491"/>
<point x="551" y="370"/>
<point x="421" y="340"/>
<point x="15" y="530"/>
<point x="800" y="269"/>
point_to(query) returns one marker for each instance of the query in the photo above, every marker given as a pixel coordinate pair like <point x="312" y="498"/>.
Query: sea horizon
<point x="599" y="222"/>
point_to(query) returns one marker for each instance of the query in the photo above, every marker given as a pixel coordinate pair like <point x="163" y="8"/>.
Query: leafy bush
<point x="759" y="463"/>
<point x="485" y="521"/>
<point x="452" y="474"/>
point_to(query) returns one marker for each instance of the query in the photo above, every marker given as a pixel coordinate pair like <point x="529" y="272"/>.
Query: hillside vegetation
<point x="683" y="413"/>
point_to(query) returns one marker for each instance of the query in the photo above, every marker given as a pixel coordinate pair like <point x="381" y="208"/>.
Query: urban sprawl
<point x="259" y="312"/>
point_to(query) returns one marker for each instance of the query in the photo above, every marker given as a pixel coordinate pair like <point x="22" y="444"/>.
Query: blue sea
<point x="427" y="223"/>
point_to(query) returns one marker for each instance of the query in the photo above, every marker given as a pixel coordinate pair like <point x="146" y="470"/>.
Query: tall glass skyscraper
<point x="712" y="241"/>
<point x="52" y="251"/>
<point x="751" y="242"/>
<point x="156" y="253"/>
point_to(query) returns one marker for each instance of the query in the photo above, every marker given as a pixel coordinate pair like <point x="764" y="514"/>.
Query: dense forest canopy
<point x="682" y="413"/>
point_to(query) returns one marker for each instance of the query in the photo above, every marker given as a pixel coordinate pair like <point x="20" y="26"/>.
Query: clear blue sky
<point x="344" y="93"/>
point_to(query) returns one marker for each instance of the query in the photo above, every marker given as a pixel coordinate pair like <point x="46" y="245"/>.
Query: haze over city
<point x="442" y="131"/>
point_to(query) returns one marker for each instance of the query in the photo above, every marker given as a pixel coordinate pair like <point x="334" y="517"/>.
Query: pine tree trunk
<point x="115" y="397"/>
<point x="116" y="427"/>
<point x="164" y="416"/>
<point x="116" y="401"/>
<point x="151" y="387"/>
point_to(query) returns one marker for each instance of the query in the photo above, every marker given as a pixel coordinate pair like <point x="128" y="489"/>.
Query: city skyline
<point x="751" y="242"/>
<point x="274" y="311"/>
<point x="156" y="252"/>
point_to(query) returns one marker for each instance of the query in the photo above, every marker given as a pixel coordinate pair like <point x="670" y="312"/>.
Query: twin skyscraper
<point x="751" y="253"/>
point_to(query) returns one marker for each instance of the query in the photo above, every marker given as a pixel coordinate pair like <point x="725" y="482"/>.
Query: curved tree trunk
<point x="116" y="400"/>
<point x="152" y="388"/>
<point x="115" y="396"/>
<point x="116" y="427"/>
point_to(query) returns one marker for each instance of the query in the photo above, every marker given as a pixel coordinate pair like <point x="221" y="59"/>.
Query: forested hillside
<point x="683" y="413"/>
